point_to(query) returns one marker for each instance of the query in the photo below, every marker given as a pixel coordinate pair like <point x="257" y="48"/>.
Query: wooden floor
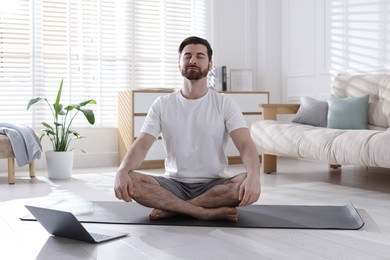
<point x="296" y="183"/>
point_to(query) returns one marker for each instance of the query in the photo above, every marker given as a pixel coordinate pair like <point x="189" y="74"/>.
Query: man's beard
<point x="194" y="75"/>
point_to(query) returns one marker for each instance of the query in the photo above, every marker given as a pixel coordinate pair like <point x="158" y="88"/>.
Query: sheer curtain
<point x="97" y="46"/>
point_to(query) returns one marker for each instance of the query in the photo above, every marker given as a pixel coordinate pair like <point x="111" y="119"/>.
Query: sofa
<point x="350" y="128"/>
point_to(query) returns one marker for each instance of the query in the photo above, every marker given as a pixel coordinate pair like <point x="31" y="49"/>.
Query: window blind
<point x="359" y="31"/>
<point x="158" y="29"/>
<point x="97" y="47"/>
<point x="15" y="60"/>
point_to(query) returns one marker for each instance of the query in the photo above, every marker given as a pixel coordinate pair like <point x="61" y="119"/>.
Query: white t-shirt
<point x="195" y="133"/>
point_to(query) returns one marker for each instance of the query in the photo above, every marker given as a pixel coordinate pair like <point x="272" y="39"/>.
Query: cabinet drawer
<point x="143" y="100"/>
<point x="249" y="102"/>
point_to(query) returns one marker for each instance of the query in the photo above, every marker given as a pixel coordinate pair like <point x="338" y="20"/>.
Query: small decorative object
<point x="224" y="78"/>
<point x="59" y="162"/>
<point x="241" y="80"/>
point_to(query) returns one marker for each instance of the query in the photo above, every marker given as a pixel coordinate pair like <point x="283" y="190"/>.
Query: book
<point x="224" y="78"/>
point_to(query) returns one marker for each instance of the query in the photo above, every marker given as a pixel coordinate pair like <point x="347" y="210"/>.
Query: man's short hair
<point x="196" y="40"/>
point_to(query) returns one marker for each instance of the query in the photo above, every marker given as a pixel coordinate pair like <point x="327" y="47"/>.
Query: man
<point x="195" y="124"/>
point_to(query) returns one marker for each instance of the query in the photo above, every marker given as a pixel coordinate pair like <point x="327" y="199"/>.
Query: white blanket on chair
<point x="25" y="143"/>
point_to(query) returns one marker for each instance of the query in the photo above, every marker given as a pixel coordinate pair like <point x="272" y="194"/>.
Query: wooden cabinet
<point x="133" y="106"/>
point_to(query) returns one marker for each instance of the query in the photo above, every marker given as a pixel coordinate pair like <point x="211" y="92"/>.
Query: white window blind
<point x="158" y="29"/>
<point x="97" y="46"/>
<point x="15" y="60"/>
<point x="359" y="35"/>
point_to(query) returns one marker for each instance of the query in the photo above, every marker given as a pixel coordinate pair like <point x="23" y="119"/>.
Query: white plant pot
<point x="59" y="164"/>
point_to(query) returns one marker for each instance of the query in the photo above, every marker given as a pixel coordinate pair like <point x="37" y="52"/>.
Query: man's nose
<point x="193" y="61"/>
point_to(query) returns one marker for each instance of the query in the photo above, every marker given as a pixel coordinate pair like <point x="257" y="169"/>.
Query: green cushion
<point x="348" y="113"/>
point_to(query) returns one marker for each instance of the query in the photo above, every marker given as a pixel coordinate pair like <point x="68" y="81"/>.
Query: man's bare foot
<point x="223" y="213"/>
<point x="159" y="213"/>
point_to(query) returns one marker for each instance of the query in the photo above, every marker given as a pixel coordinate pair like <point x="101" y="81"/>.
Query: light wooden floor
<point x="297" y="182"/>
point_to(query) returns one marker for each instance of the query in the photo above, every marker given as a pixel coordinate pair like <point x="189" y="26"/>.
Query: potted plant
<point x="59" y="161"/>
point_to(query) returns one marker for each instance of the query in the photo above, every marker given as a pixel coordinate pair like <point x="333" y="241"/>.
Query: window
<point x="97" y="46"/>
<point x="359" y="35"/>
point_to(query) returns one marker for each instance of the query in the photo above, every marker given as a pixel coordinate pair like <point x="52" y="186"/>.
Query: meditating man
<point x="195" y="124"/>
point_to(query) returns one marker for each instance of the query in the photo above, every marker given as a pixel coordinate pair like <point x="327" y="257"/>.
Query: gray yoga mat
<point x="253" y="216"/>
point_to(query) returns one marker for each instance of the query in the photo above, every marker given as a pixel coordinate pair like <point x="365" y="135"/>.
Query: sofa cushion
<point x="312" y="112"/>
<point x="348" y="113"/>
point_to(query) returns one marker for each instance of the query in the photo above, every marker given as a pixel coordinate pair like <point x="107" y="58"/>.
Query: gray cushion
<point x="312" y="112"/>
<point x="348" y="113"/>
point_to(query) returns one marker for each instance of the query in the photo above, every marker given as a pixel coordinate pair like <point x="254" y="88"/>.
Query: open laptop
<point x="65" y="224"/>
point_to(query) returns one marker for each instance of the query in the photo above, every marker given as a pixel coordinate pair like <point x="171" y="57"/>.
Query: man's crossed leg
<point x="218" y="202"/>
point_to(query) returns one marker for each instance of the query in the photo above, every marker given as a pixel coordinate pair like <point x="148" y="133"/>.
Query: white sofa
<point x="362" y="147"/>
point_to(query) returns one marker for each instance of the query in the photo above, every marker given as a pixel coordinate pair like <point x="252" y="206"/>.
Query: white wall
<point x="234" y="38"/>
<point x="269" y="48"/>
<point x="246" y="35"/>
<point x="305" y="59"/>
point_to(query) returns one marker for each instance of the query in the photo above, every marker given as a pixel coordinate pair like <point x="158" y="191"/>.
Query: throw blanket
<point x="25" y="143"/>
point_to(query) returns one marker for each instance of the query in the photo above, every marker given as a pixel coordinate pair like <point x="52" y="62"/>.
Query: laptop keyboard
<point x="99" y="237"/>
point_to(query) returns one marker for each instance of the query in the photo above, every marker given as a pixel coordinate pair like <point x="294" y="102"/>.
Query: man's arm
<point x="250" y="188"/>
<point x="132" y="160"/>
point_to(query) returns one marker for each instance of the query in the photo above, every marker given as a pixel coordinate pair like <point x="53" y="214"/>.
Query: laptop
<point x="65" y="224"/>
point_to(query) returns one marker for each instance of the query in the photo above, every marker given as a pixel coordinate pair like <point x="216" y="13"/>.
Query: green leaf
<point x="70" y="107"/>
<point x="47" y="125"/>
<point x="91" y="102"/>
<point x="33" y="101"/>
<point x="73" y="132"/>
<point x="61" y="112"/>
<point x="57" y="103"/>
<point x="48" y="132"/>
<point x="41" y="137"/>
<point x="88" y="113"/>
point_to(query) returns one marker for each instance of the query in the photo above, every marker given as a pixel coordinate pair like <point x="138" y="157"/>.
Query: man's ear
<point x="210" y="65"/>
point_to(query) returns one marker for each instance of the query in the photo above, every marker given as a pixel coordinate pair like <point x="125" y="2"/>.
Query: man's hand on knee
<point x="123" y="186"/>
<point x="249" y="190"/>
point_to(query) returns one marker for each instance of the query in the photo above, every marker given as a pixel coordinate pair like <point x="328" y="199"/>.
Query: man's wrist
<point x="253" y="174"/>
<point x="124" y="170"/>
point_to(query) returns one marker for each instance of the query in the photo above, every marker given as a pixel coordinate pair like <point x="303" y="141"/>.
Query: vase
<point x="59" y="164"/>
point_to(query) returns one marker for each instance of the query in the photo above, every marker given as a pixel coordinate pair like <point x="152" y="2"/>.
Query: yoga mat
<point x="253" y="216"/>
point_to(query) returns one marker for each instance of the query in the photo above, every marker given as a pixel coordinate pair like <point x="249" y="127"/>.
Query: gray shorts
<point x="186" y="191"/>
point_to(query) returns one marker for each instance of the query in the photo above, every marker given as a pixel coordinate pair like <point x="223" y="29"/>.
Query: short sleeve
<point x="233" y="115"/>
